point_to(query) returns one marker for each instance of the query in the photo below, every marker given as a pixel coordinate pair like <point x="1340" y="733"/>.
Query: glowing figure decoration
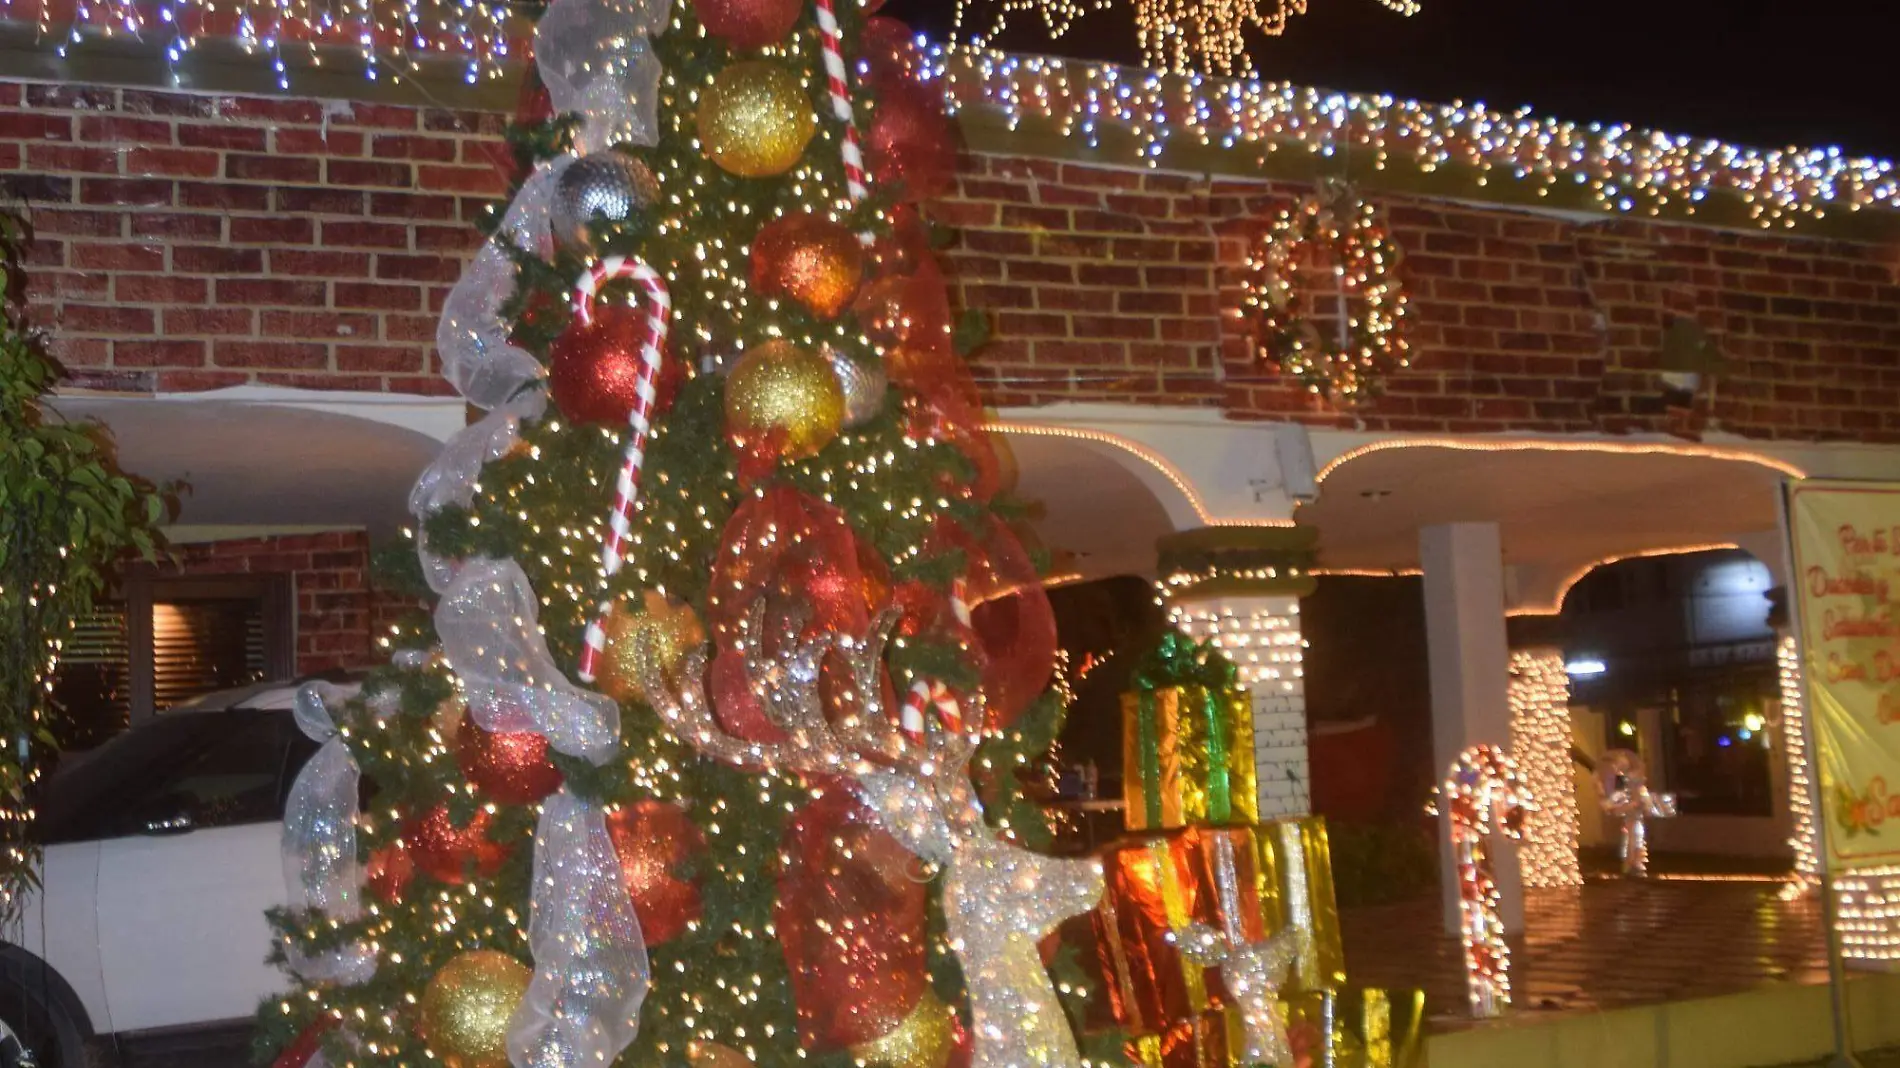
<point x="1628" y="798"/>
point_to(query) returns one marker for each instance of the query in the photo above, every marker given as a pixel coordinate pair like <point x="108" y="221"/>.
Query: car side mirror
<point x="180" y="823"/>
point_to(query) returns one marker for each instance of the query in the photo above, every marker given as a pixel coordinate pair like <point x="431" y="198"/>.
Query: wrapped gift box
<point x="1296" y="889"/>
<point x="1280" y="877"/>
<point x="1363" y="1028"/>
<point x="1187" y="730"/>
<point x="1366" y="1028"/>
<point x="1201" y="1041"/>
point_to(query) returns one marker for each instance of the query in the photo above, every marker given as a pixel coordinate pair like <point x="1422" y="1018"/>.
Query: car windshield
<point x="203" y="769"/>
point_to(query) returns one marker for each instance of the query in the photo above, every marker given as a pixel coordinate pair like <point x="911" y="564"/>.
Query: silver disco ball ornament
<point x="864" y="384"/>
<point x="605" y="187"/>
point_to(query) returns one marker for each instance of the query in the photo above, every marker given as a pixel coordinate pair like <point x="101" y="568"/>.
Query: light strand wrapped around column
<point x="1540" y="744"/>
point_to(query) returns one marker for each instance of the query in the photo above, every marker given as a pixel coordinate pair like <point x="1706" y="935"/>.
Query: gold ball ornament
<point x="447" y="719"/>
<point x="648" y="642"/>
<point x="756" y="118"/>
<point x="923" y="1040"/>
<point x="466" y="1008"/>
<point x="809" y="258"/>
<point x="785" y="395"/>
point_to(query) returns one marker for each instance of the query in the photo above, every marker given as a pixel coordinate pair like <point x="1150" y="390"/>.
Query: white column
<point x="1470" y="680"/>
<point x="1261" y="635"/>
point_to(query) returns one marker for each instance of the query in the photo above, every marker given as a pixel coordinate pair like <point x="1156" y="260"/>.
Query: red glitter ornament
<point x="594" y="368"/>
<point x="749" y="23"/>
<point x="446" y="852"/>
<point x="849" y="911"/>
<point x="810" y="259"/>
<point x="389" y="871"/>
<point x="654" y="840"/>
<point x="511" y="767"/>
<point x="911" y="144"/>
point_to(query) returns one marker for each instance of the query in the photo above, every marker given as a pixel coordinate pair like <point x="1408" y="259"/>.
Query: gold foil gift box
<point x="1187" y="741"/>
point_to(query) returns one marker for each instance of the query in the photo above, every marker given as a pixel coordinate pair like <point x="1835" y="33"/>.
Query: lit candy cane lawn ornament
<point x="1628" y="798"/>
<point x="639" y="422"/>
<point x="1482" y="793"/>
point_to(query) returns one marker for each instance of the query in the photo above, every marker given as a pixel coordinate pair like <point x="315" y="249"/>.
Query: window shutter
<point x="199" y="646"/>
<point x="92" y="692"/>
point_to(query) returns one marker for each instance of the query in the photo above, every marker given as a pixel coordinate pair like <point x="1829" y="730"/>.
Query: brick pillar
<point x="1240" y="588"/>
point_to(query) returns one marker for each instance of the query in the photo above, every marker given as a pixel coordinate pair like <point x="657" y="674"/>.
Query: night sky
<point x="1754" y="72"/>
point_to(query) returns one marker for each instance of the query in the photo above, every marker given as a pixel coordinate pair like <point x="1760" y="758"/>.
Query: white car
<point x="161" y="854"/>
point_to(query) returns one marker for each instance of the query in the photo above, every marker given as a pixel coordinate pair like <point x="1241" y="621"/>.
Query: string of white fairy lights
<point x="1616" y="167"/>
<point x="1619" y="168"/>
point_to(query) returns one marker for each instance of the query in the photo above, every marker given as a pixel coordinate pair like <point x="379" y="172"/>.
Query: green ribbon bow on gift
<point x="1196" y="668"/>
<point x="1181" y="661"/>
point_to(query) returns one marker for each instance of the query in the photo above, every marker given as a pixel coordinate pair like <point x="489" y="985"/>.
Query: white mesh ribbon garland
<point x="452" y="477"/>
<point x="594" y="57"/>
<point x="473" y="336"/>
<point x="486" y="621"/>
<point x="526" y="223"/>
<point x="477" y="357"/>
<point x="590" y="959"/>
<point x="319" y="840"/>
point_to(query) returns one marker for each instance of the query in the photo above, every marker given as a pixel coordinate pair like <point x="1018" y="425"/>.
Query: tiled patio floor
<point x="1611" y="944"/>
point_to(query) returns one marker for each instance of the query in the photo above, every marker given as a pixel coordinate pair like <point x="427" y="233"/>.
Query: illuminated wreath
<point x="1336" y="232"/>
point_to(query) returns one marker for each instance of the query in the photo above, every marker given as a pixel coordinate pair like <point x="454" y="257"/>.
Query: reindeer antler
<point x="863" y="742"/>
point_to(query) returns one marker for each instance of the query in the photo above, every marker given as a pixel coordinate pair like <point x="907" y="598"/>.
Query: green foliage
<point x="68" y="516"/>
<point x="543" y="505"/>
<point x="1378" y="863"/>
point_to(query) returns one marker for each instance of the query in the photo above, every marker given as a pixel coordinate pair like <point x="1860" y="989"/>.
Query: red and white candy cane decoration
<point x="1482" y="793"/>
<point x="924" y="693"/>
<point x="931" y="694"/>
<point x="659" y="305"/>
<point x="840" y="85"/>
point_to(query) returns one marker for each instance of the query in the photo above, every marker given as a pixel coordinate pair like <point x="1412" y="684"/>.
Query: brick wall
<point x="1120" y="285"/>
<point x="194" y="241"/>
<point x="330" y="572"/>
<point x="189" y="241"/>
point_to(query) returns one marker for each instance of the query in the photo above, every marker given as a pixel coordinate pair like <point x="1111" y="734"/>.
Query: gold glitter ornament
<point x="756" y="118"/>
<point x="467" y="1006"/>
<point x="783" y="397"/>
<point x="647" y="642"/>
<point x="446" y="720"/>
<point x="923" y="1040"/>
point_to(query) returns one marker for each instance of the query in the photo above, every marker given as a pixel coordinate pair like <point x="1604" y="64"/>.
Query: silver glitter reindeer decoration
<point x="999" y="900"/>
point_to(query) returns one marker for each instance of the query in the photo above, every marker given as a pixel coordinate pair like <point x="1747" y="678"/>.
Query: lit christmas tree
<point x="708" y="755"/>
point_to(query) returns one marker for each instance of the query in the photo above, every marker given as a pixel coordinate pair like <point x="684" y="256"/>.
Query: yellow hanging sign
<point x="1846" y="590"/>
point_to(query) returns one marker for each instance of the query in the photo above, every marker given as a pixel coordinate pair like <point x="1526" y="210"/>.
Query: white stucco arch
<point x="270" y="460"/>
